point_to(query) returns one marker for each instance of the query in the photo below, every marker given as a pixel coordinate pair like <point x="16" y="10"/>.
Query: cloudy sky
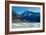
<point x="19" y="9"/>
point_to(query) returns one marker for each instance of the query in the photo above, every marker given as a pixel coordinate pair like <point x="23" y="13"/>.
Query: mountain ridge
<point x="29" y="16"/>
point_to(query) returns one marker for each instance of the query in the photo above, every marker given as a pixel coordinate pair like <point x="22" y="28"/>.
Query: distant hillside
<point x="28" y="16"/>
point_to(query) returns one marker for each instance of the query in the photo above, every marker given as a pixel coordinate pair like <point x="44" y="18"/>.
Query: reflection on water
<point x="25" y="25"/>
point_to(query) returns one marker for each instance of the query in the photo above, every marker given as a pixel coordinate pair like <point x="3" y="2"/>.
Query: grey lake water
<point x="25" y="25"/>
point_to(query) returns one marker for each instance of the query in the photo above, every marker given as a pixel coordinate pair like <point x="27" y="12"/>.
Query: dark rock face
<point x="28" y="16"/>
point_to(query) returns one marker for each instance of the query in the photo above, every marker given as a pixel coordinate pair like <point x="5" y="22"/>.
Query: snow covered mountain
<point x="29" y="16"/>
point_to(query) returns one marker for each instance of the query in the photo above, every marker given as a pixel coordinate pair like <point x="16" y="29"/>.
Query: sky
<point x="19" y="9"/>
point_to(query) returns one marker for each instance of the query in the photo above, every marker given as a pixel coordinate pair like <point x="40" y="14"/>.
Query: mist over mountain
<point x="28" y="16"/>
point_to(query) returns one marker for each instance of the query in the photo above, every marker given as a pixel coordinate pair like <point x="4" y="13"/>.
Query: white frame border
<point x="24" y="29"/>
